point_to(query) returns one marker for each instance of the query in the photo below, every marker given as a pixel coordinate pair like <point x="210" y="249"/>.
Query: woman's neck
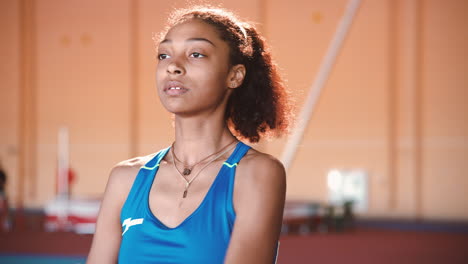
<point x="196" y="138"/>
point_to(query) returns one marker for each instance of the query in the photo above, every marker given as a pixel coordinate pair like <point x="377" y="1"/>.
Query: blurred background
<point x="383" y="160"/>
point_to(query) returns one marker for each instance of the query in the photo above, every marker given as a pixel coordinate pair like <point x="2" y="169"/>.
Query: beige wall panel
<point x="298" y="53"/>
<point x="445" y="109"/>
<point x="445" y="183"/>
<point x="406" y="191"/>
<point x="155" y="123"/>
<point x="83" y="83"/>
<point x="9" y="92"/>
<point x="299" y="33"/>
<point x="350" y="120"/>
<point x="405" y="46"/>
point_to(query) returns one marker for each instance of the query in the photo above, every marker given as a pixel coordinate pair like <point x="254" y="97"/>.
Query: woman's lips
<point x="174" y="88"/>
<point x="174" y="91"/>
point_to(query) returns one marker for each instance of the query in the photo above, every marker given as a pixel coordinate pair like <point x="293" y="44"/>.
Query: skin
<point x="193" y="57"/>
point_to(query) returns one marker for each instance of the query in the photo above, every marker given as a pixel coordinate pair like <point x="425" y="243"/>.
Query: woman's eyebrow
<point x="189" y="40"/>
<point x="201" y="39"/>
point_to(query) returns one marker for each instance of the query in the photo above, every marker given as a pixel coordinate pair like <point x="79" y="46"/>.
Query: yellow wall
<point x="394" y="104"/>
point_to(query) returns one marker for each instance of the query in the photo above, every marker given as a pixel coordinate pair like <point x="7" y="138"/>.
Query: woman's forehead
<point x="192" y="29"/>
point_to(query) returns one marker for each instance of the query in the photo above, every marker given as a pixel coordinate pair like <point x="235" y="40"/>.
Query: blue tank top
<point x="202" y="238"/>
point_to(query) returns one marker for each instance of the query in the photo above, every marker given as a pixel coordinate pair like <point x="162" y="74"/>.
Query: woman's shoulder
<point x="257" y="160"/>
<point x="260" y="177"/>
<point x="135" y="162"/>
<point x="127" y="170"/>
<point x="257" y="167"/>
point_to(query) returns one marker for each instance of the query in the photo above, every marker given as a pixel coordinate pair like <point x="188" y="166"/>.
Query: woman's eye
<point x="163" y="56"/>
<point x="197" y="55"/>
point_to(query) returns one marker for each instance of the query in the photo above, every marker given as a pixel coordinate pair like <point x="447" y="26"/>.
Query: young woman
<point x="208" y="198"/>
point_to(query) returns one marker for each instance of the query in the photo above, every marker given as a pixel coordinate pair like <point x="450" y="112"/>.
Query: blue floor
<point x="40" y="259"/>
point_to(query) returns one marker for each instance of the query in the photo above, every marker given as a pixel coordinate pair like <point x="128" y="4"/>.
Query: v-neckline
<point x="198" y="208"/>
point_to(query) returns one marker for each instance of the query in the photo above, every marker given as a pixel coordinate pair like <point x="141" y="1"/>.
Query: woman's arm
<point x="106" y="240"/>
<point x="259" y="196"/>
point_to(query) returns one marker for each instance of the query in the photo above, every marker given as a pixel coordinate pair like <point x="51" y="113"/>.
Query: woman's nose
<point x="175" y="68"/>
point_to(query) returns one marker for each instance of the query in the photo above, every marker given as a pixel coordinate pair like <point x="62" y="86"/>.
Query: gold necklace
<point x="187" y="168"/>
<point x="188" y="182"/>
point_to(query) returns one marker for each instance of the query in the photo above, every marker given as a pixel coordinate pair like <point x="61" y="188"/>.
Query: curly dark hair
<point x="260" y="106"/>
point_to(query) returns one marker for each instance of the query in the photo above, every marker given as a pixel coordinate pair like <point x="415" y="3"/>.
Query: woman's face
<point x="193" y="72"/>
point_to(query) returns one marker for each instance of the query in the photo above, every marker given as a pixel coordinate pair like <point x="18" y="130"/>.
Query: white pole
<point x="63" y="162"/>
<point x="316" y="88"/>
<point x="63" y="197"/>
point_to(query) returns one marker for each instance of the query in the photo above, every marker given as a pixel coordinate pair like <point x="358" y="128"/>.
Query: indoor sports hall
<point x="376" y="162"/>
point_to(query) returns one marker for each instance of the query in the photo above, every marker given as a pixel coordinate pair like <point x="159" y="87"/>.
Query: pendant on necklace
<point x="185" y="194"/>
<point x="187" y="171"/>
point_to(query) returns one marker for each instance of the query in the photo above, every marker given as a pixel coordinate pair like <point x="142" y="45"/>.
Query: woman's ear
<point x="236" y="76"/>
